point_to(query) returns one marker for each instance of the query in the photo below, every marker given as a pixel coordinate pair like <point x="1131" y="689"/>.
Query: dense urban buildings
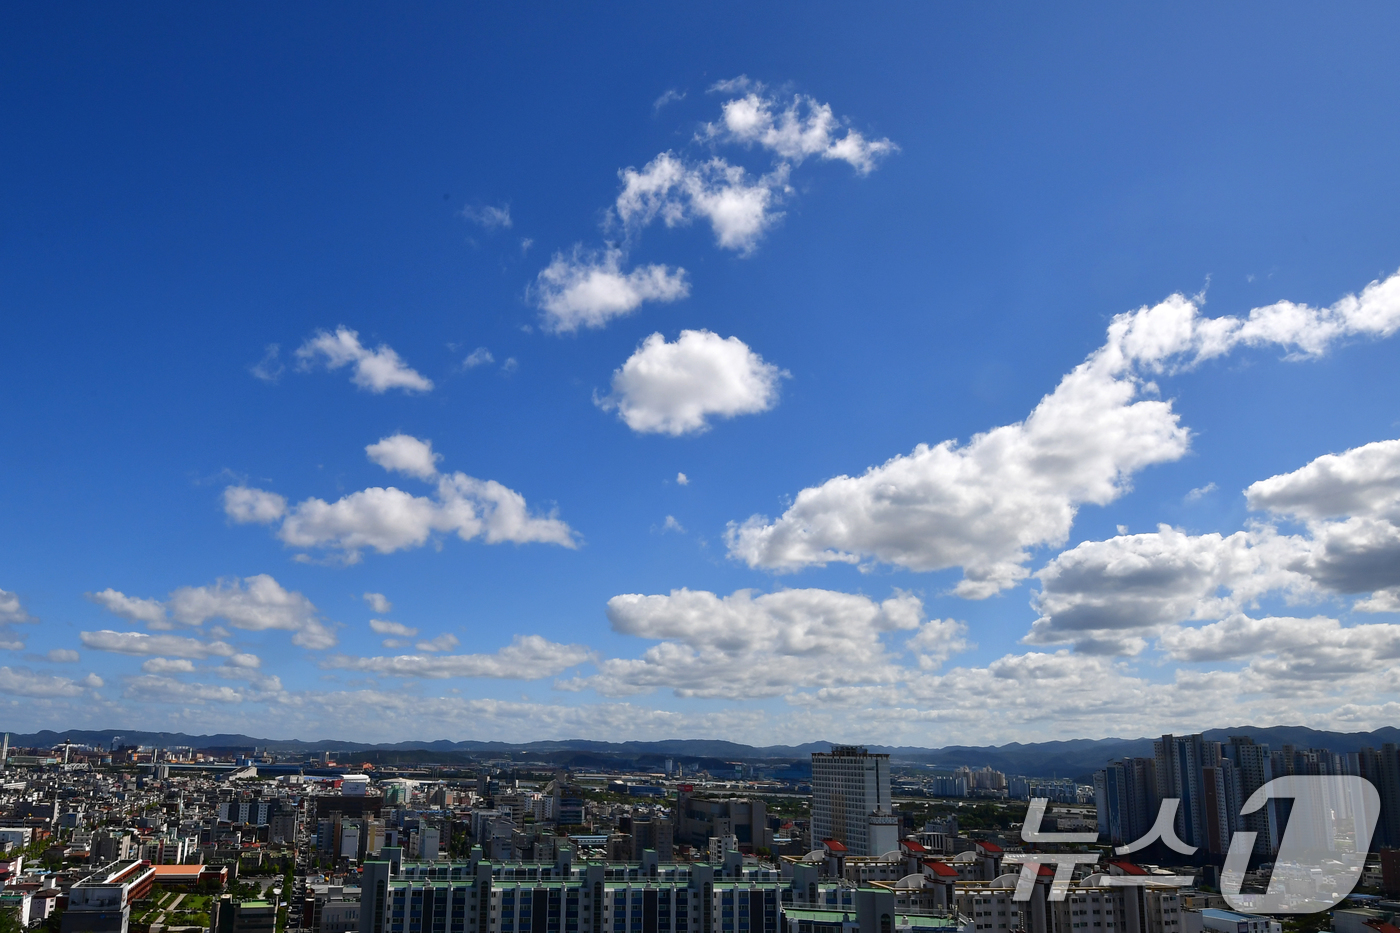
<point x="1214" y="779"/>
<point x="137" y="839"/>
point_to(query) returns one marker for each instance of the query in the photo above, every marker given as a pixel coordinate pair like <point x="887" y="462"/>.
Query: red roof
<point x="989" y="846"/>
<point x="912" y="846"/>
<point x="942" y="869"/>
<point x="1128" y="868"/>
<point x="1043" y="869"/>
<point x="833" y="846"/>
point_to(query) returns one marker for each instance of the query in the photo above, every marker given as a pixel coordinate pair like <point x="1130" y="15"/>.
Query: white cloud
<point x="256" y="604"/>
<point x="385" y="627"/>
<point x="1286" y="653"/>
<point x="670" y="96"/>
<point x="673" y="388"/>
<point x="157" y="688"/>
<point x="18" y="681"/>
<point x="682" y="479"/>
<point x="378" y="602"/>
<point x="1200" y="492"/>
<point x="389" y="519"/>
<point x="984" y="505"/>
<point x="1350" y="503"/>
<point x="1109" y="597"/>
<point x="672" y="525"/>
<point x="746" y="645"/>
<point x="257" y="506"/>
<point x="269" y="368"/>
<point x="588" y="289"/>
<point x="133" y="609"/>
<point x="377" y="370"/>
<point x="12" y="612"/>
<point x="527" y="657"/>
<point x="936" y="641"/>
<point x="444" y="642"/>
<point x="795" y="131"/>
<point x="168" y="666"/>
<point x="1363" y="482"/>
<point x="488" y="217"/>
<point x="61" y="655"/>
<point x="1380" y="601"/>
<point x="510" y="365"/>
<point x="141" y="644"/>
<point x="478" y="357"/>
<point x="739" y="209"/>
<point x="404" y="454"/>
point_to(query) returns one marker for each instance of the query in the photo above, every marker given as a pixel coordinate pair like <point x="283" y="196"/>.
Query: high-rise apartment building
<point x="1254" y="769"/>
<point x="1178" y="764"/>
<point x="851" y="800"/>
<point x="1126" y="795"/>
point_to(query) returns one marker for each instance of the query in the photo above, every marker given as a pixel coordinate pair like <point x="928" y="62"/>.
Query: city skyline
<point x="938" y="381"/>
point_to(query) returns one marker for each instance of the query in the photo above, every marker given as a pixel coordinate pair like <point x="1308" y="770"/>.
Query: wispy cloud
<point x="489" y="217"/>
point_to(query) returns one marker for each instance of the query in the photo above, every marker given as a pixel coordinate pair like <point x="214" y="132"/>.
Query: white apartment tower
<point x="851" y="801"/>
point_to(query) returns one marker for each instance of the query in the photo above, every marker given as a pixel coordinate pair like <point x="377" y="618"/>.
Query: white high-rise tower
<point x="851" y="801"/>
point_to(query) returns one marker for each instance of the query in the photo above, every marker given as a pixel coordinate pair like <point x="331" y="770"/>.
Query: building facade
<point x="851" y="800"/>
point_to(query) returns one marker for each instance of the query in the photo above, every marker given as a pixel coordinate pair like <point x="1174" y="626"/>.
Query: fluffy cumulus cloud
<point x="793" y="129"/>
<point x="1350" y="504"/>
<point x="161" y="688"/>
<point x="404" y="454"/>
<point x="168" y="666"/>
<point x="984" y="505"/>
<point x="389" y="519"/>
<point x="588" y="288"/>
<point x="21" y="682"/>
<point x="1111" y="596"/>
<point x="377" y="370"/>
<point x="754" y="645"/>
<point x="257" y="603"/>
<point x="12" y="613"/>
<point x="385" y="627"/>
<point x="674" y="388"/>
<point x="256" y="506"/>
<point x="739" y="207"/>
<point x="527" y="657"/>
<point x="141" y="644"/>
<point x="150" y="612"/>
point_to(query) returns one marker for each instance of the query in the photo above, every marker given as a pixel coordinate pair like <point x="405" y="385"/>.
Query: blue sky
<point x="439" y="305"/>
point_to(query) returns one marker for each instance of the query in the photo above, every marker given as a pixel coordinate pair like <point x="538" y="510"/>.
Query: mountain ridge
<point x="1068" y="758"/>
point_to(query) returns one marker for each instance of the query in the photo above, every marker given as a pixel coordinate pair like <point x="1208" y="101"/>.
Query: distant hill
<point x="1075" y="758"/>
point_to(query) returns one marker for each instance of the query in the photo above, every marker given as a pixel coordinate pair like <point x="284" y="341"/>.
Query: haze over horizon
<point x="939" y="377"/>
